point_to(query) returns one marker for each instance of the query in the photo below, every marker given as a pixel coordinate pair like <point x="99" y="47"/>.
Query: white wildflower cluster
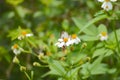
<point x="107" y="5"/>
<point x="24" y="34"/>
<point x="67" y="40"/>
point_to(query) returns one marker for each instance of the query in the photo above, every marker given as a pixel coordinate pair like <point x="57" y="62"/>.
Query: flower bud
<point x="16" y="60"/>
<point x="36" y="64"/>
<point x="23" y="68"/>
<point x="84" y="45"/>
<point x="40" y="56"/>
<point x="88" y="58"/>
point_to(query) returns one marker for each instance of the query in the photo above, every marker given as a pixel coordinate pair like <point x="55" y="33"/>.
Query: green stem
<point x="116" y="39"/>
<point x="27" y="76"/>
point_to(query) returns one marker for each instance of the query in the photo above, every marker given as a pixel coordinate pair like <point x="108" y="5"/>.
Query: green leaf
<point x="88" y="38"/>
<point x="56" y="68"/>
<point x="102" y="28"/>
<point x="14" y="2"/>
<point x="73" y="73"/>
<point x="65" y="24"/>
<point x="99" y="52"/>
<point x="93" y="21"/>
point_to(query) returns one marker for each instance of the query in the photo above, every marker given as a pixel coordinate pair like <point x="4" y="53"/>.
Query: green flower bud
<point x="16" y="60"/>
<point x="36" y="64"/>
<point x="23" y="68"/>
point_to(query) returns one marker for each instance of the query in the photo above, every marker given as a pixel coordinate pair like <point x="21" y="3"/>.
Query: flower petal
<point x="101" y="0"/>
<point x="113" y="0"/>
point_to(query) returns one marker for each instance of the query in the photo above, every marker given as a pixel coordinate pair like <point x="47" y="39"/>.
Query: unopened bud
<point x="40" y="56"/>
<point x="81" y="62"/>
<point x="62" y="58"/>
<point x="84" y="45"/>
<point x="16" y="60"/>
<point x="88" y="59"/>
<point x="23" y="68"/>
<point x="36" y="64"/>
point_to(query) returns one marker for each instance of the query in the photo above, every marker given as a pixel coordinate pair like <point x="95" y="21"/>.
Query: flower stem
<point x="115" y="33"/>
<point x="27" y="76"/>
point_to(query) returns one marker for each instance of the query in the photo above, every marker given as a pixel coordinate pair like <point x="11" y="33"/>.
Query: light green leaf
<point x="101" y="17"/>
<point x="102" y="28"/>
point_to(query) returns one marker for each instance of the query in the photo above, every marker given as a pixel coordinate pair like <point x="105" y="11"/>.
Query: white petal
<point x="68" y="43"/>
<point x="19" y="37"/>
<point x="64" y="35"/>
<point x="60" y="40"/>
<point x="113" y="0"/>
<point x="61" y="44"/>
<point x="101" y="0"/>
<point x="107" y="6"/>
<point x="28" y="35"/>
<point x="102" y="38"/>
<point x="16" y="51"/>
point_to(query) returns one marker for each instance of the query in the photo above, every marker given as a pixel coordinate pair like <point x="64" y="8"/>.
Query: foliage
<point x="30" y="30"/>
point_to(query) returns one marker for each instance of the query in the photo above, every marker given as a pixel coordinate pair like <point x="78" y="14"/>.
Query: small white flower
<point x="24" y="34"/>
<point x="16" y="49"/>
<point x="107" y="5"/>
<point x="75" y="39"/>
<point x="103" y="36"/>
<point x="64" y="40"/>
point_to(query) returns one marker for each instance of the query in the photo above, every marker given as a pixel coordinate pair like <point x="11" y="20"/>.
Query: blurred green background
<point x="45" y="18"/>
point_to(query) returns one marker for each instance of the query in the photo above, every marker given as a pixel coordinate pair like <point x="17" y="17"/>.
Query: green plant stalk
<point x="116" y="39"/>
<point x="27" y="76"/>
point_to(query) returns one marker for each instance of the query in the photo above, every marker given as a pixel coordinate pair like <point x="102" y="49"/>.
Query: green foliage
<point x="30" y="30"/>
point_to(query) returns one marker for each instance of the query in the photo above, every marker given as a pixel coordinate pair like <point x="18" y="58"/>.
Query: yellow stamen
<point x="74" y="36"/>
<point x="107" y="0"/>
<point x="24" y="33"/>
<point x="15" y="46"/>
<point x="103" y="33"/>
<point x="65" y="39"/>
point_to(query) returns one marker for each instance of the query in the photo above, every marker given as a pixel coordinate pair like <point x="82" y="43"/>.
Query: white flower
<point x="16" y="49"/>
<point x="67" y="40"/>
<point x="103" y="36"/>
<point x="107" y="5"/>
<point x="64" y="40"/>
<point x="75" y="39"/>
<point x="24" y="34"/>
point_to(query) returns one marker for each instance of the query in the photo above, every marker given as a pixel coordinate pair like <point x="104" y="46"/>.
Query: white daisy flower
<point x="107" y="5"/>
<point x="75" y="39"/>
<point x="16" y="49"/>
<point x="24" y="34"/>
<point x="64" y="40"/>
<point x="103" y="36"/>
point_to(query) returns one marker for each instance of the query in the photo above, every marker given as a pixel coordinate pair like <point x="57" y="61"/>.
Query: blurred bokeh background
<point x="45" y="18"/>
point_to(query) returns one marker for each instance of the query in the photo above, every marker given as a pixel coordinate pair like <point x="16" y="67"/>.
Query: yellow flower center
<point x="15" y="46"/>
<point x="74" y="36"/>
<point x="24" y="33"/>
<point x="65" y="39"/>
<point x="103" y="33"/>
<point x="107" y="0"/>
<point x="106" y="7"/>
